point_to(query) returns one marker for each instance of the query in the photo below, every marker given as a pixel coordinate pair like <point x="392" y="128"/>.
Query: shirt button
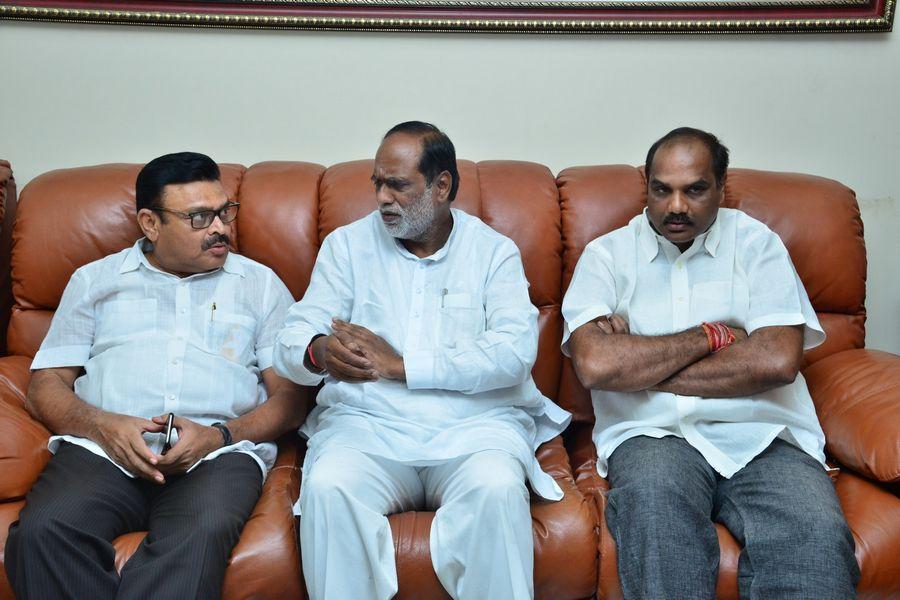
<point x="421" y="265"/>
<point x="174" y="361"/>
<point x="681" y="298"/>
<point x="183" y="310"/>
<point x="419" y="291"/>
<point x="415" y="314"/>
<point x="170" y="397"/>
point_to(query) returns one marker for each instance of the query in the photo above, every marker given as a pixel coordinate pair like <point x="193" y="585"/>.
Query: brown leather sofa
<point x="70" y="217"/>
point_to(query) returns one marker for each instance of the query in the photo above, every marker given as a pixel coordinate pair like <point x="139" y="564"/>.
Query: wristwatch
<point x="226" y="434"/>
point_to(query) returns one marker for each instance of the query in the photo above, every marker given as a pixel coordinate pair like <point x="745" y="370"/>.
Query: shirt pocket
<point x="231" y="336"/>
<point x="460" y="318"/>
<point x="121" y="321"/>
<point x="715" y="301"/>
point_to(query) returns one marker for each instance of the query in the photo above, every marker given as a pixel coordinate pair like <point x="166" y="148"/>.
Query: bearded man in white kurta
<point x="418" y="318"/>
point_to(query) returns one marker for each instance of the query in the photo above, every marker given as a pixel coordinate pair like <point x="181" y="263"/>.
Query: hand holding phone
<point x="167" y="444"/>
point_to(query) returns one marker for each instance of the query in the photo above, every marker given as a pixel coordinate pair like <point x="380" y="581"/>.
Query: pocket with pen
<point x="231" y="336"/>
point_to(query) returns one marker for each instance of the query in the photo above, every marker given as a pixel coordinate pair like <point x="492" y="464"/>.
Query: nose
<point x="383" y="196"/>
<point x="217" y="226"/>
<point x="678" y="204"/>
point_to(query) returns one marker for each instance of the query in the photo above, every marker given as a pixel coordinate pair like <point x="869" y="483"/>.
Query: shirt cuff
<point x="419" y="367"/>
<point x="264" y="357"/>
<point x="813" y="335"/>
<point x="288" y="355"/>
<point x="585" y="316"/>
<point x="61" y="356"/>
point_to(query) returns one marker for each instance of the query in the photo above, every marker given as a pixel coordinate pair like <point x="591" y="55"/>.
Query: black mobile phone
<point x="167" y="445"/>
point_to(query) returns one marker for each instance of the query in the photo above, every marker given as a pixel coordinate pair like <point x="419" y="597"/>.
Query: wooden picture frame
<point x="489" y="16"/>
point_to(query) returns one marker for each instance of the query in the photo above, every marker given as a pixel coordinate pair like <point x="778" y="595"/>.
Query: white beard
<point x="415" y="220"/>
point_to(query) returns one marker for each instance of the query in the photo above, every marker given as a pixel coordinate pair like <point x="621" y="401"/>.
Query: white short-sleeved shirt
<point x="462" y="320"/>
<point x="151" y="342"/>
<point x="738" y="272"/>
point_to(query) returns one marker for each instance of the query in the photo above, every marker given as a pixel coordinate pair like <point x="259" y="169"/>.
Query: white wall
<point x="824" y="104"/>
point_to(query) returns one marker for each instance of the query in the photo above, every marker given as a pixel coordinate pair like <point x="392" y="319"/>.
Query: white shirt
<point x="466" y="329"/>
<point x="738" y="272"/>
<point x="151" y="342"/>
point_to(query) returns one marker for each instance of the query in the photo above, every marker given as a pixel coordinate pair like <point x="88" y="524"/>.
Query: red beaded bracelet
<point x="718" y="336"/>
<point x="312" y="359"/>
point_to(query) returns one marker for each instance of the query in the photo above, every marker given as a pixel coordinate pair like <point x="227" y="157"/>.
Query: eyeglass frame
<point x="215" y="213"/>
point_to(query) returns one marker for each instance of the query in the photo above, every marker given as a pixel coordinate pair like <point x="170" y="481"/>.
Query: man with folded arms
<point x="418" y="319"/>
<point x="689" y="325"/>
<point x="174" y="324"/>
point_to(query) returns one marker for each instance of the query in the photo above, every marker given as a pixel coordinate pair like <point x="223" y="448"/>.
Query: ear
<point x="442" y="185"/>
<point x="721" y="190"/>
<point x="149" y="223"/>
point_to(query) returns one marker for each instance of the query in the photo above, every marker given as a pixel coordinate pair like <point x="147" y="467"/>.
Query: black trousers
<point x="61" y="546"/>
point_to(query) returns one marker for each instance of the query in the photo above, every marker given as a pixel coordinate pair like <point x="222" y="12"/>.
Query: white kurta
<point x="151" y="342"/>
<point x="738" y="272"/>
<point x="466" y="329"/>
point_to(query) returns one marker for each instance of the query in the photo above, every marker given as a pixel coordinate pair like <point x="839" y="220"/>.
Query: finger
<point x="151" y="425"/>
<point x="346" y="356"/>
<point x="349" y="371"/>
<point x="604" y="325"/>
<point x="138" y="458"/>
<point x="170" y="460"/>
<point x="619" y="324"/>
<point x="352" y="328"/>
<point x="348" y="341"/>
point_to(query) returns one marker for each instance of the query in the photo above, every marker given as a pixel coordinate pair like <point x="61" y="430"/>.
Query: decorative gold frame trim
<point x="399" y="24"/>
<point x="663" y="4"/>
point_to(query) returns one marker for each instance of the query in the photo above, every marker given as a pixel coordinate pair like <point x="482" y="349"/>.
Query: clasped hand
<point x="121" y="437"/>
<point x="354" y="354"/>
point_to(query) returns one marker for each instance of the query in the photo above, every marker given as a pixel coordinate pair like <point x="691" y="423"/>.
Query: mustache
<point x="677" y="219"/>
<point x="216" y="238"/>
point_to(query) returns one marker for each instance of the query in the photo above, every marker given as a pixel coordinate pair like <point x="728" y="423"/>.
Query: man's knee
<point x="496" y="478"/>
<point x="330" y="483"/>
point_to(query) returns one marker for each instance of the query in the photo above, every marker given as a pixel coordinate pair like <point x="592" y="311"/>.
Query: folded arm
<point x="770" y="357"/>
<point x="607" y="357"/>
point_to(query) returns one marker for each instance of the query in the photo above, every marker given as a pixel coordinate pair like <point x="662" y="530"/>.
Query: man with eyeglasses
<point x="174" y="324"/>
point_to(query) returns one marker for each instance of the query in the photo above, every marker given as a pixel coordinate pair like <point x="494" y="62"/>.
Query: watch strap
<point x="226" y="433"/>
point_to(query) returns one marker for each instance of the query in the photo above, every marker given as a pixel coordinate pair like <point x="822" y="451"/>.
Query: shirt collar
<point x="136" y="257"/>
<point x="650" y="241"/>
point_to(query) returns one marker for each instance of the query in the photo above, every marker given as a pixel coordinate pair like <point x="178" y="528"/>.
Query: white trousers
<point x="481" y="538"/>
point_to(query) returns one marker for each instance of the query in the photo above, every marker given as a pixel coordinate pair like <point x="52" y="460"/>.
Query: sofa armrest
<point x="857" y="398"/>
<point x="265" y="562"/>
<point x="23" y="441"/>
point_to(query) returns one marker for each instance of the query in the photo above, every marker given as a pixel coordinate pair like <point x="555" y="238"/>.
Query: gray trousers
<point x="61" y="545"/>
<point x="781" y="507"/>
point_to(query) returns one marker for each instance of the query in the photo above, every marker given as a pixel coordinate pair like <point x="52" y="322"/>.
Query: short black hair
<point x="717" y="150"/>
<point x="438" y="153"/>
<point x="180" y="167"/>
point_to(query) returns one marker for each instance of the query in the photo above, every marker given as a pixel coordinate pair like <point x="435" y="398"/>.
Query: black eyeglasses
<point x="202" y="219"/>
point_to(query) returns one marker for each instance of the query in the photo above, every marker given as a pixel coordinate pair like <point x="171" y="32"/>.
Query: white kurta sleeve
<point x="276" y="302"/>
<point x="70" y="338"/>
<point x="591" y="293"/>
<point x="329" y="295"/>
<point x="503" y="354"/>
<point x="776" y="293"/>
